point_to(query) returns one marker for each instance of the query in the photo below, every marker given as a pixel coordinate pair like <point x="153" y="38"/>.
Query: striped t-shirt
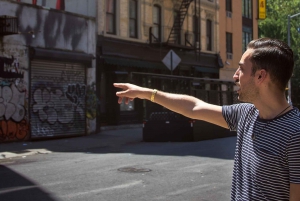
<point x="267" y="156"/>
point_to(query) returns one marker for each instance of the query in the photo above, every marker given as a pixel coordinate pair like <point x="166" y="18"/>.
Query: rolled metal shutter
<point x="57" y="104"/>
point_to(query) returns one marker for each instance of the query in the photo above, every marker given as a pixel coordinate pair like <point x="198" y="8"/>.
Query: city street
<point x="120" y="169"/>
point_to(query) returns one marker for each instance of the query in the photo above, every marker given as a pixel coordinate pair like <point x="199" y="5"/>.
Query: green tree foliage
<point x="276" y="26"/>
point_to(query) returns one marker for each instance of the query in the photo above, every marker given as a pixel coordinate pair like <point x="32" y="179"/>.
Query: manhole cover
<point x="133" y="170"/>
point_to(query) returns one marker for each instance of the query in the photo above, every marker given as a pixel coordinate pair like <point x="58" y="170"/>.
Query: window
<point x="157" y="22"/>
<point x="178" y="27"/>
<point x="229" y="8"/>
<point x="247" y="9"/>
<point x="196" y="28"/>
<point x="247" y="37"/>
<point x="228" y="42"/>
<point x="133" y="18"/>
<point x="111" y="16"/>
<point x="228" y="5"/>
<point x="209" y="35"/>
<point x="228" y="45"/>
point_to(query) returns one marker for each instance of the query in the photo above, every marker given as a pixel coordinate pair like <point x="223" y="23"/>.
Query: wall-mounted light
<point x="32" y="33"/>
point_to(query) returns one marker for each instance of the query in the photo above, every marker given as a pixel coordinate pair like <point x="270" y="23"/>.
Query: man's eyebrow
<point x="241" y="64"/>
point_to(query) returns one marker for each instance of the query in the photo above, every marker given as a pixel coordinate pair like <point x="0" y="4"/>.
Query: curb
<point x="127" y="126"/>
<point x="27" y="152"/>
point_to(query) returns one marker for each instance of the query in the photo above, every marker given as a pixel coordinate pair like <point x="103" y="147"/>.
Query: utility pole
<point x="289" y="44"/>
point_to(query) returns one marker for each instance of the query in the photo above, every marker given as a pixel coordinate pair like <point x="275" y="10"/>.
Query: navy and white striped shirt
<point x="264" y="166"/>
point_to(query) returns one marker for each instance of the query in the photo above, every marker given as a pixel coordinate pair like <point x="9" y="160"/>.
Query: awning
<point x="206" y="69"/>
<point x="58" y="55"/>
<point x="133" y="63"/>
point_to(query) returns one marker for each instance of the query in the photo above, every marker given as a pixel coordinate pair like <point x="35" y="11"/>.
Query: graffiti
<point x="76" y="93"/>
<point x="43" y="131"/>
<point x="13" y="125"/>
<point x="12" y="103"/>
<point x="21" y="85"/>
<point x="11" y="130"/>
<point x="53" y="105"/>
<point x="4" y="83"/>
<point x="9" y="68"/>
<point x="92" y="102"/>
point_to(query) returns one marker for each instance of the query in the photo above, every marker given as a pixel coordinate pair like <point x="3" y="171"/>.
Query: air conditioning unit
<point x="228" y="14"/>
<point x="229" y="56"/>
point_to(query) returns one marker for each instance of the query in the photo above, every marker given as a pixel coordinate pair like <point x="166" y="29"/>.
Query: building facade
<point x="47" y="69"/>
<point x="238" y="26"/>
<point x="134" y="36"/>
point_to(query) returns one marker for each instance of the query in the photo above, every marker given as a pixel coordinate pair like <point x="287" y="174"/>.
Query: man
<point x="267" y="157"/>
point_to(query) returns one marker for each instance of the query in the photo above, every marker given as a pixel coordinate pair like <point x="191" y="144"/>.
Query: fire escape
<point x="174" y="38"/>
<point x="178" y="22"/>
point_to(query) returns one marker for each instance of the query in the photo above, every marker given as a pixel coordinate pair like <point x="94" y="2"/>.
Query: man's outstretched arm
<point x="183" y="104"/>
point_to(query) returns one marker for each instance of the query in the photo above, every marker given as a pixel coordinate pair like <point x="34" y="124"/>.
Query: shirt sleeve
<point x="293" y="154"/>
<point x="232" y="114"/>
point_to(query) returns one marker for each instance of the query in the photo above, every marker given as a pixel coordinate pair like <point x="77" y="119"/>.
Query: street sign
<point x="171" y="60"/>
<point x="262" y="9"/>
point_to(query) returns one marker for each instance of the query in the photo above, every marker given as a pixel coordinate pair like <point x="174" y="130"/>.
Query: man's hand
<point x="130" y="92"/>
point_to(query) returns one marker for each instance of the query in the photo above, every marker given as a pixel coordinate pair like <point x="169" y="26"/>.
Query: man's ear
<point x="262" y="74"/>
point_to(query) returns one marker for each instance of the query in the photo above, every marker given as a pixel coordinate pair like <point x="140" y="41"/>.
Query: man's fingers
<point x="121" y="93"/>
<point x="120" y="100"/>
<point x="120" y="85"/>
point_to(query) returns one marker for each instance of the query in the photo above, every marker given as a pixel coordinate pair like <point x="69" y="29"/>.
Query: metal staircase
<point x="178" y="21"/>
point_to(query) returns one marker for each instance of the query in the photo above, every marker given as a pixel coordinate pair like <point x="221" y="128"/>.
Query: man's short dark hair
<point x="274" y="56"/>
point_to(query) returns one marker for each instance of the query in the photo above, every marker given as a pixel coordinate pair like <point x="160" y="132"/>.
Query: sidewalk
<point x="108" y="136"/>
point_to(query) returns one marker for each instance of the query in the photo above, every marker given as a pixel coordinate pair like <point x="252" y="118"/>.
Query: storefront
<point x="58" y="93"/>
<point x="121" y="61"/>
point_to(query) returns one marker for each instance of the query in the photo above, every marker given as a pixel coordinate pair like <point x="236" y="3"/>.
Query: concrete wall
<point x="83" y="7"/>
<point x="52" y="29"/>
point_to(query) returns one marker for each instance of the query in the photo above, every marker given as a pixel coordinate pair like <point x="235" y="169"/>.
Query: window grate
<point x="8" y="25"/>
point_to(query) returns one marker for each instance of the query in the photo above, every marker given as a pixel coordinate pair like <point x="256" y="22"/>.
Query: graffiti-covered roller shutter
<point x="57" y="99"/>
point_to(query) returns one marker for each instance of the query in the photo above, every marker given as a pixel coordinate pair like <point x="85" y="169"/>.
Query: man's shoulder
<point x="243" y="106"/>
<point x="292" y="120"/>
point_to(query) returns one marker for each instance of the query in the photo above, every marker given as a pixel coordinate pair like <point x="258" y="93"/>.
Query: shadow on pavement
<point x="15" y="187"/>
<point x="222" y="148"/>
<point x="128" y="141"/>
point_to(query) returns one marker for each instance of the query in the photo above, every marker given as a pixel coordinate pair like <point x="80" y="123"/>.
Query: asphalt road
<point x="138" y="171"/>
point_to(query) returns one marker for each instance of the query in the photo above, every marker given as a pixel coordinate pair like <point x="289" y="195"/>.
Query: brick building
<point x="238" y="26"/>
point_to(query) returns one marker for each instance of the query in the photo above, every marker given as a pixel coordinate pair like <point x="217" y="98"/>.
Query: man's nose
<point x="236" y="75"/>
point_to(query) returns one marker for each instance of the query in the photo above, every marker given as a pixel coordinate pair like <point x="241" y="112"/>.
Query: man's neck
<point x="271" y="109"/>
